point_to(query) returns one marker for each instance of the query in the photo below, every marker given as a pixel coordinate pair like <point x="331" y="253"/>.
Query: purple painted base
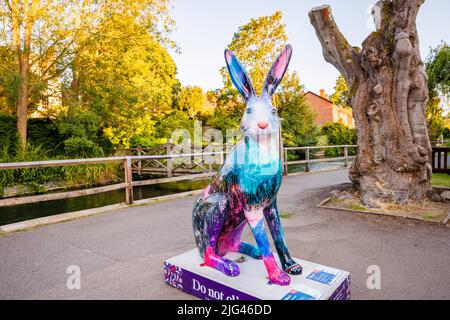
<point x="316" y="283"/>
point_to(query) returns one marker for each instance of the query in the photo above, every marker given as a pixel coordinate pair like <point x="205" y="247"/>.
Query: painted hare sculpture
<point x="245" y="188"/>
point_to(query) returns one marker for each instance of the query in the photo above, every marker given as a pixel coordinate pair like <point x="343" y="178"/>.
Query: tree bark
<point x="22" y="99"/>
<point x="15" y="34"/>
<point x="22" y="62"/>
<point x="388" y="93"/>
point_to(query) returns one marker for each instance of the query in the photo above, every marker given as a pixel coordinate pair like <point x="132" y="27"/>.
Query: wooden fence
<point x="135" y="164"/>
<point x="346" y="158"/>
<point x="127" y="185"/>
<point x="440" y="161"/>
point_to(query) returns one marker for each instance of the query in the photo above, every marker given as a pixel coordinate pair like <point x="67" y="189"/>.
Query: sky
<point x="205" y="27"/>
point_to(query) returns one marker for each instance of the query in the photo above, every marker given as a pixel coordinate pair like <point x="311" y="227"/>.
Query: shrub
<point x="338" y="134"/>
<point x="80" y="147"/>
<point x="8" y="134"/>
<point x="446" y="133"/>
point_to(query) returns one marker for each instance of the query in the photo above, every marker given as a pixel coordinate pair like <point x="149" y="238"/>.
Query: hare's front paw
<point x="292" y="267"/>
<point x="231" y="268"/>
<point x="280" y="277"/>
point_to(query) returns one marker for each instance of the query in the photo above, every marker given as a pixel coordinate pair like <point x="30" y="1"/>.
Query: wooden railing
<point x="131" y="164"/>
<point x="440" y="160"/>
<point x="440" y="163"/>
<point x="307" y="161"/>
<point x="167" y="166"/>
<point x="128" y="184"/>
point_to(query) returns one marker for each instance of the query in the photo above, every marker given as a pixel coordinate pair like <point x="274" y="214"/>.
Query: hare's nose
<point x="262" y="124"/>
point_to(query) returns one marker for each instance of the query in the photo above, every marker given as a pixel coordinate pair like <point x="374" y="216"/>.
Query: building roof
<point x="318" y="95"/>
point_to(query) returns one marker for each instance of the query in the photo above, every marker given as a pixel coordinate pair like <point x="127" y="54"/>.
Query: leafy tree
<point x="82" y="147"/>
<point x="228" y="111"/>
<point x="298" y="124"/>
<point x="177" y="119"/>
<point x="190" y="100"/>
<point x="340" y="96"/>
<point x="127" y="78"/>
<point x="338" y="134"/>
<point x="47" y="38"/>
<point x="257" y="44"/>
<point x="438" y="72"/>
<point x="37" y="32"/>
<point x="435" y="122"/>
<point x="446" y="133"/>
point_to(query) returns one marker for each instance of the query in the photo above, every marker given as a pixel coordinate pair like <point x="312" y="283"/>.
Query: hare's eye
<point x="274" y="111"/>
<point x="249" y="110"/>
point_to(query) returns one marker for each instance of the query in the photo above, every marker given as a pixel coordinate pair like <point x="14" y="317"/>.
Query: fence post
<point x="285" y="163"/>
<point x="222" y="155"/>
<point x="346" y="156"/>
<point x="128" y="181"/>
<point x="210" y="164"/>
<point x="307" y="169"/>
<point x="283" y="157"/>
<point x="169" y="160"/>
<point x="139" y="162"/>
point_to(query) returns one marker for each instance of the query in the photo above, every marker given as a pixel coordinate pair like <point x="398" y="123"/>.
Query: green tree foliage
<point x="9" y="85"/>
<point x="257" y="44"/>
<point x="340" y="96"/>
<point x="338" y="134"/>
<point x="8" y="134"/>
<point x="435" y="122"/>
<point x="228" y="111"/>
<point x="190" y="100"/>
<point x="54" y="41"/>
<point x="8" y="82"/>
<point x="298" y="124"/>
<point x="129" y="85"/>
<point x="438" y="72"/>
<point x="107" y="61"/>
<point x="177" y="119"/>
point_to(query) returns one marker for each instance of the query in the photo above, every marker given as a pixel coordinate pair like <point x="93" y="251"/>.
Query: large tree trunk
<point x="24" y="88"/>
<point x="22" y="63"/>
<point x="388" y="93"/>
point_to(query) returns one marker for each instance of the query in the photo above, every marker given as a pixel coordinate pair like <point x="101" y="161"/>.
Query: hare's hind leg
<point x="243" y="247"/>
<point x="213" y="210"/>
<point x="250" y="250"/>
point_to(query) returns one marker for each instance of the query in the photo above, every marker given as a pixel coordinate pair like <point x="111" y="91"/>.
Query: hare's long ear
<point x="238" y="75"/>
<point x="277" y="71"/>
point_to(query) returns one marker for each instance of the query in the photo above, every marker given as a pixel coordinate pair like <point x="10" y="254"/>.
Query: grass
<point x="285" y="214"/>
<point x="425" y="210"/>
<point x="356" y="206"/>
<point x="429" y="216"/>
<point x="440" y="179"/>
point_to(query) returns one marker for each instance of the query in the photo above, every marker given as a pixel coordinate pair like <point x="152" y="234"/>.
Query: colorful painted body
<point x="244" y="190"/>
